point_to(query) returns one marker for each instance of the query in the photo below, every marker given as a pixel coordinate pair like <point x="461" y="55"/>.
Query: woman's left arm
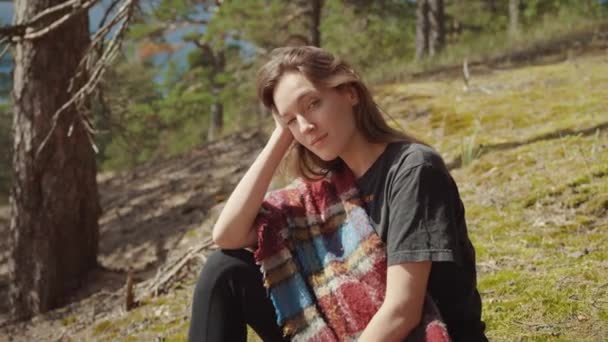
<point x="401" y="310"/>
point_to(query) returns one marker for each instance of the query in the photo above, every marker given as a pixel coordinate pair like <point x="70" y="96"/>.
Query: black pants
<point x="229" y="295"/>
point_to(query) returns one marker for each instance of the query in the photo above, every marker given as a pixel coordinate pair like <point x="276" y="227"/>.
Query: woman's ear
<point x="352" y="95"/>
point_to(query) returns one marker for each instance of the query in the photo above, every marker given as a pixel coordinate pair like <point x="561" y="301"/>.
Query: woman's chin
<point x="327" y="157"/>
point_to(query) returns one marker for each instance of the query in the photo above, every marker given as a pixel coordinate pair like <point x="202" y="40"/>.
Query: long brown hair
<point x="324" y="69"/>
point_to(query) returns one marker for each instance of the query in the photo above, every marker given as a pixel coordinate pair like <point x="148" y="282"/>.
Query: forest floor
<point x="526" y="143"/>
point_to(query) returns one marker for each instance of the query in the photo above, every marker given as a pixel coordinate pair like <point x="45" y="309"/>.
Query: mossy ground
<point x="534" y="181"/>
<point x="537" y="202"/>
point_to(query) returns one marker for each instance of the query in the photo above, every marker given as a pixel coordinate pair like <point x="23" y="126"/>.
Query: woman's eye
<point x="291" y="121"/>
<point x="314" y="104"/>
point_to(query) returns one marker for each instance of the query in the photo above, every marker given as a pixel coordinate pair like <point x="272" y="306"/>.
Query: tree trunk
<point x="436" y="27"/>
<point x="217" y="121"/>
<point x="492" y="6"/>
<point x="315" y="32"/>
<point x="514" y="18"/>
<point x="422" y="29"/>
<point x="54" y="199"/>
<point x="216" y="124"/>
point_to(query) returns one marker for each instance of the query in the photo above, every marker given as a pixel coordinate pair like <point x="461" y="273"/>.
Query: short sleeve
<point x="422" y="222"/>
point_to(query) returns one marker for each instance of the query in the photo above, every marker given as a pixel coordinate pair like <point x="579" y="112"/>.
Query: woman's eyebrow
<point x="304" y="94"/>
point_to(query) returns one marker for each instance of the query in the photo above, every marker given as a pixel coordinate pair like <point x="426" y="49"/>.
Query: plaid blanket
<point x="324" y="265"/>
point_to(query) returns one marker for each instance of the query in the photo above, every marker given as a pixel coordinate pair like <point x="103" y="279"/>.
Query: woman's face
<point x="321" y="119"/>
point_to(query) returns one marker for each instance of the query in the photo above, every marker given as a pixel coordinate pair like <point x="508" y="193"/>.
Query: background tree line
<point x="184" y="103"/>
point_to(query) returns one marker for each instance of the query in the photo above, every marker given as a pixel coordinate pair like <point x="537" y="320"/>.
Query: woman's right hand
<point x="282" y="132"/>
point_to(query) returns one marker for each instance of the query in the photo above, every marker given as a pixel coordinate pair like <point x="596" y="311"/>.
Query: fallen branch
<point x="167" y="274"/>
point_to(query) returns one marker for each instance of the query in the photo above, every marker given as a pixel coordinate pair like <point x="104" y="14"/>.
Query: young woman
<point x="322" y="108"/>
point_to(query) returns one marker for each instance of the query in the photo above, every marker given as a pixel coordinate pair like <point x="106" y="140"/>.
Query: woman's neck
<point x="361" y="154"/>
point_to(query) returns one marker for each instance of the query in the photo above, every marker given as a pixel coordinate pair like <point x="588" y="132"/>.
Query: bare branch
<point x="47" y="29"/>
<point x="124" y="14"/>
<point x="4" y="51"/>
<point x="75" y="4"/>
<point x="107" y="14"/>
<point x="20" y="31"/>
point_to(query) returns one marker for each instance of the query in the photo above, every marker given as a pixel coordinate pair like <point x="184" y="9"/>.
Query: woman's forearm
<point x="389" y="324"/>
<point x="233" y="228"/>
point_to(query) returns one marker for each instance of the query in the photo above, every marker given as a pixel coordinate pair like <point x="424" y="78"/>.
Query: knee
<point x="221" y="263"/>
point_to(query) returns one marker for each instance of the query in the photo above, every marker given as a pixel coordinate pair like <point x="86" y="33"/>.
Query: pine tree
<point x="54" y="199"/>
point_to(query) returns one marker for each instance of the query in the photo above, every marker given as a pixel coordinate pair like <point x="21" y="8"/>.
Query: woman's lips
<point x="318" y="140"/>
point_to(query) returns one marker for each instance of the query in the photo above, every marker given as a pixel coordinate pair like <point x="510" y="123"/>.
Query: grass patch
<point x="534" y="181"/>
<point x="102" y="327"/>
<point x="551" y="32"/>
<point x="523" y="104"/>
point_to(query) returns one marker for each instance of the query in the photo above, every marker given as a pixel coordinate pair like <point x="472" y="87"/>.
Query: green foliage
<point x="262" y="23"/>
<point x="174" y="115"/>
<point x="172" y="10"/>
<point x="534" y="9"/>
<point x="485" y="16"/>
<point x="360" y="36"/>
<point x="469" y="149"/>
<point x="141" y="30"/>
<point x="129" y="122"/>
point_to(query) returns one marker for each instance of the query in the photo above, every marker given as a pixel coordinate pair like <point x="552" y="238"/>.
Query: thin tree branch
<point x="125" y="13"/>
<point x="75" y="4"/>
<point x="107" y="14"/>
<point x="20" y="31"/>
<point x="4" y="51"/>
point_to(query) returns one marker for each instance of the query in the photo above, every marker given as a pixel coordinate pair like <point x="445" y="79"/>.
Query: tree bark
<point x="436" y="27"/>
<point x="216" y="123"/>
<point x="514" y="18"/>
<point x="492" y="6"/>
<point x="422" y="29"/>
<point x="315" y="32"/>
<point x="54" y="199"/>
<point x="430" y="28"/>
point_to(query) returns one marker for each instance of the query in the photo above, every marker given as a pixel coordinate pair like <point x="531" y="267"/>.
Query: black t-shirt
<point x="415" y="207"/>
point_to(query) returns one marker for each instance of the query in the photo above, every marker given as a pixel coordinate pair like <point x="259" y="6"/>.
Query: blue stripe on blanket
<point x="337" y="247"/>
<point x="294" y="297"/>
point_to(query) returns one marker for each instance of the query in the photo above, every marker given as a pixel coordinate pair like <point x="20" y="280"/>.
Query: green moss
<point x="252" y="336"/>
<point x="179" y="337"/>
<point x="537" y="209"/>
<point x="192" y="233"/>
<point x="102" y="327"/>
<point x="502" y="281"/>
<point x="69" y="320"/>
<point x="598" y="205"/>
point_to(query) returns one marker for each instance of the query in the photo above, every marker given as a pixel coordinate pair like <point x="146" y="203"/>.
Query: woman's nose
<point x="305" y="125"/>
